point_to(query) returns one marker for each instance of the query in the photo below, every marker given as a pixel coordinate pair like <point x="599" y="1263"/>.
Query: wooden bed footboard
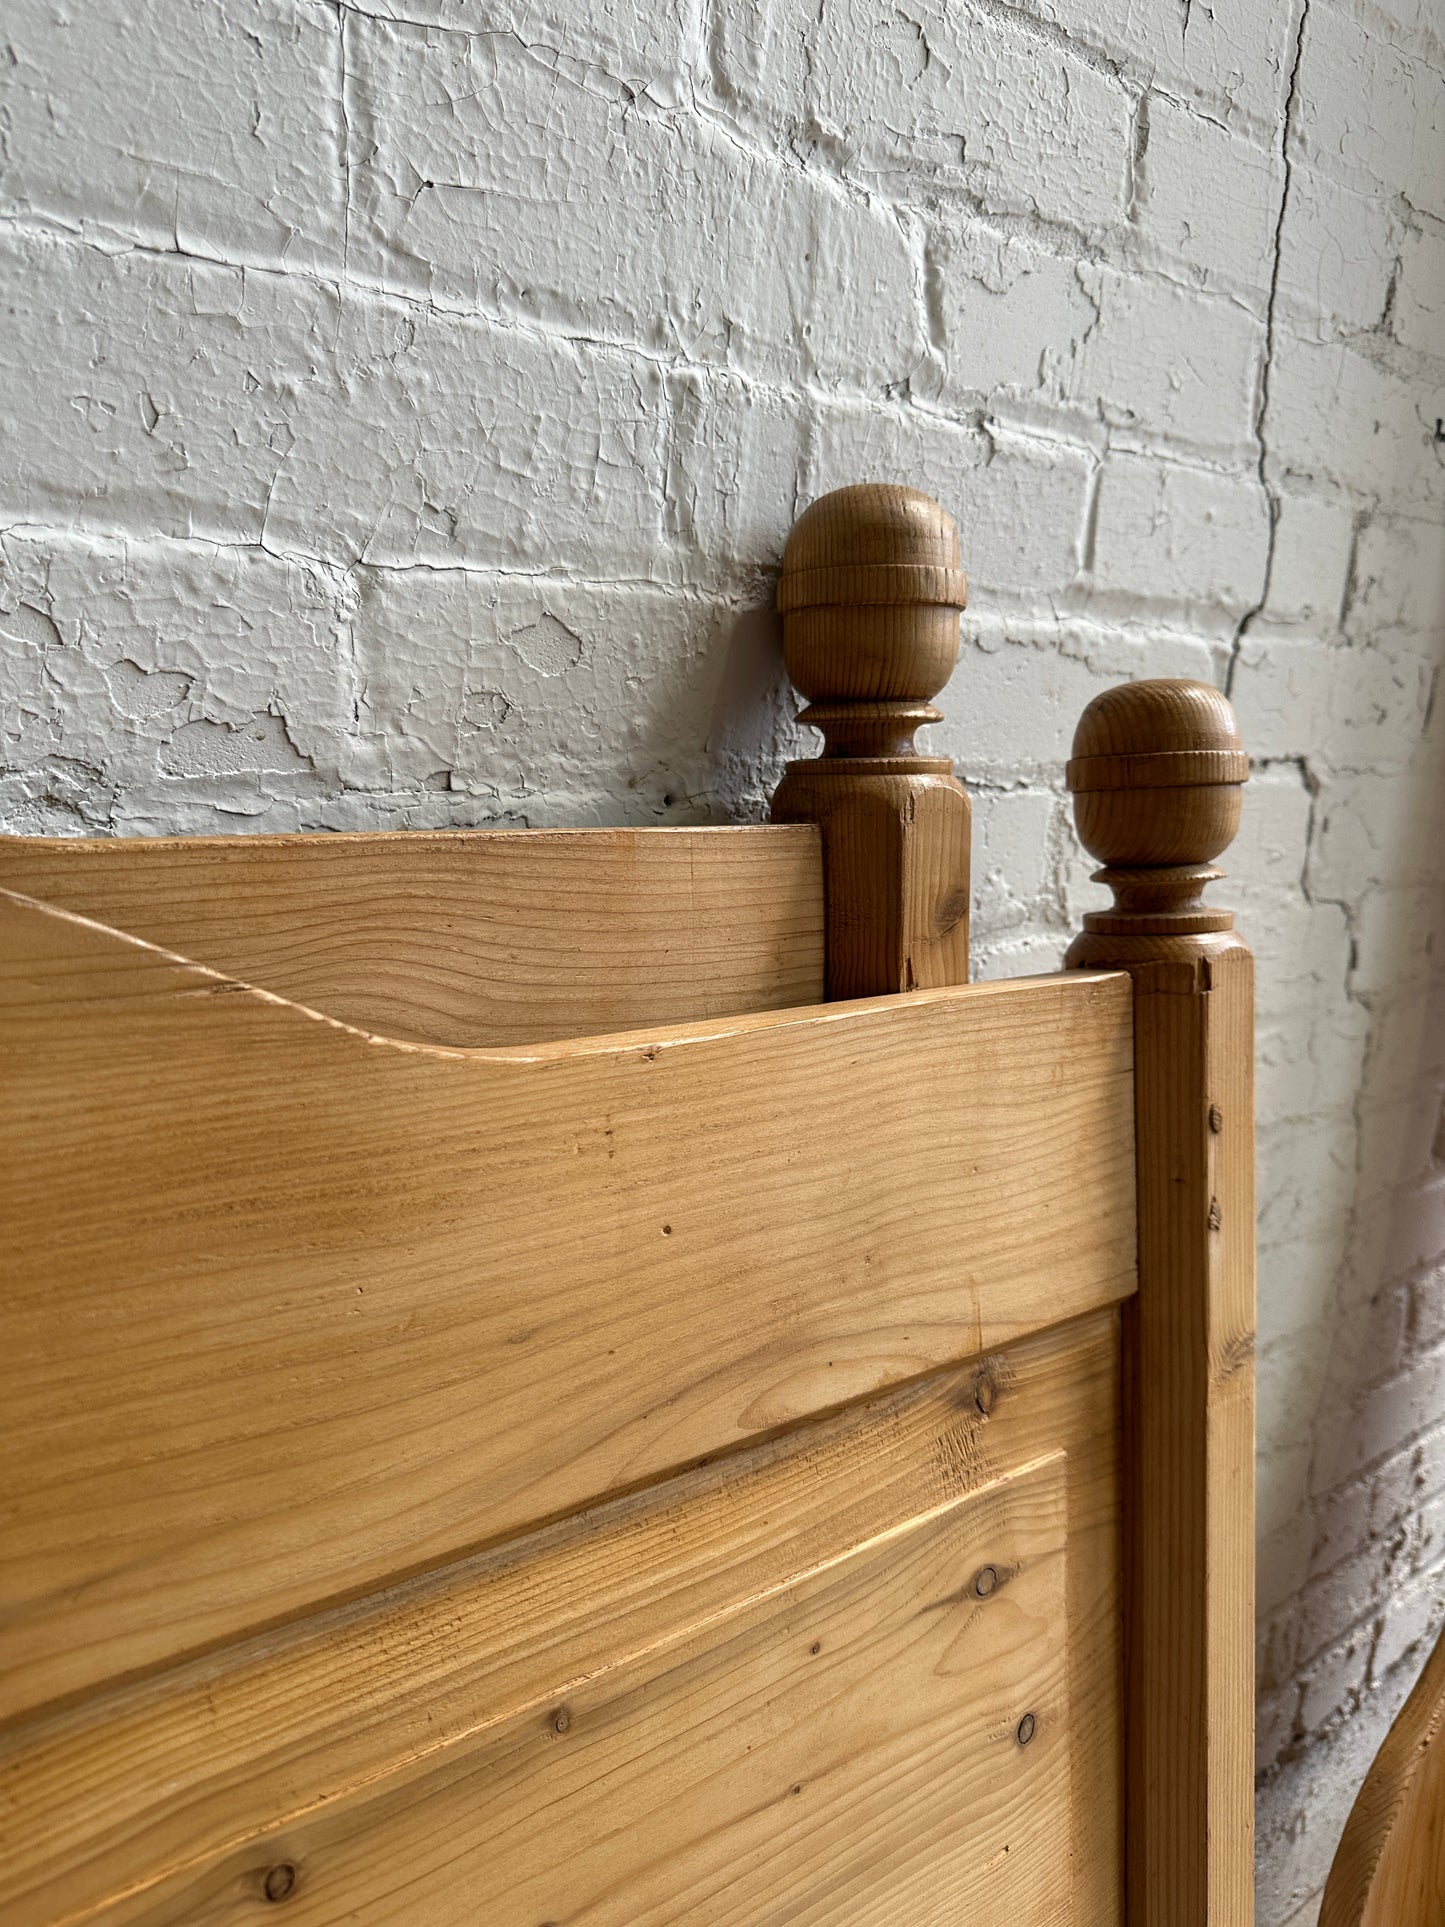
<point x="593" y="1377"/>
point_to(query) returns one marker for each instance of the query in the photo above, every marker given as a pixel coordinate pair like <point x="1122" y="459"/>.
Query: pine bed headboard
<point x="591" y="1377"/>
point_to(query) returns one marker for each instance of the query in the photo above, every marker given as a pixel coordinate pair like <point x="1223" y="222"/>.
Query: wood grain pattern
<point x="727" y="1782"/>
<point x="468" y="937"/>
<point x="1156" y="772"/>
<point x="293" y="1309"/>
<point x="870" y="595"/>
<point x="379" y="1748"/>
<point x="1389" y="1870"/>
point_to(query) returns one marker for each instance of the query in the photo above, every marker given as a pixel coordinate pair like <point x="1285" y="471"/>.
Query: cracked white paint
<point x="406" y="401"/>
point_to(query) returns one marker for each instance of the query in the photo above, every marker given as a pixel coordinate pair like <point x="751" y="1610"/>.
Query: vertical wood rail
<point x="870" y="595"/>
<point x="1155" y="774"/>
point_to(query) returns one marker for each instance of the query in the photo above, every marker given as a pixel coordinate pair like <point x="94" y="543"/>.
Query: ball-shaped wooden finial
<point x="1155" y="775"/>
<point x="870" y="595"/>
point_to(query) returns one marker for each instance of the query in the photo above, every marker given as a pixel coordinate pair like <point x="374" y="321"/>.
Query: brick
<point x="136" y="397"/>
<point x="1343" y="1518"/>
<point x="1372" y="110"/>
<point x="1397" y="928"/>
<point x="1338" y="417"/>
<point x="1419" y="317"/>
<point x="736" y="455"/>
<point x="1282" y="1560"/>
<point x="1348" y="707"/>
<point x="572" y="440"/>
<point x="1338" y="250"/>
<point x="1303" y="1808"/>
<point x="1177" y="534"/>
<point x="1297" y="1282"/>
<point x="1019" y="507"/>
<point x="216" y="130"/>
<point x="1012" y="313"/>
<point x="1313" y="544"/>
<point x="1014" y="837"/>
<point x="1226" y="235"/>
<point x="202" y="688"/>
<point x="947" y="97"/>
<point x="1410" y="1626"/>
<point x="530" y="696"/>
<point x="1379" y="1422"/>
<point x="643" y="45"/>
<point x="849" y="441"/>
<point x="1398" y="578"/>
<point x="1306" y="1173"/>
<point x="1334" y="1684"/>
<point x="1164" y="360"/>
<point x="1399" y="1231"/>
<point x="1407" y="1048"/>
<point x="1022" y="524"/>
<point x="1375" y="825"/>
<point x="1274" y="1725"/>
<point x="466" y="136"/>
<point x="1427" y="1325"/>
<point x="1291" y="1376"/>
<point x="137" y="404"/>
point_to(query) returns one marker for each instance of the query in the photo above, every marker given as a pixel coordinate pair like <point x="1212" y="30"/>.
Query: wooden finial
<point x="870" y="596"/>
<point x="1155" y="774"/>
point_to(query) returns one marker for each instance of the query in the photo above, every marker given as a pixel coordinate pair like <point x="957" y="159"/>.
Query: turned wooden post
<point x="1156" y="775"/>
<point x="870" y="595"/>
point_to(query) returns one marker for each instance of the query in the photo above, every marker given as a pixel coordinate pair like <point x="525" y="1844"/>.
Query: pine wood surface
<point x="1156" y="774"/>
<point x="293" y="1308"/>
<point x="1389" y="1869"/>
<point x="1191" y="1444"/>
<point x="804" y="1613"/>
<point x="468" y="937"/>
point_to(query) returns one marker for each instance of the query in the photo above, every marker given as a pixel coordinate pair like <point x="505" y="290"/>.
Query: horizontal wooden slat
<point x="726" y="1781"/>
<point x="292" y="1309"/>
<point x="468" y="937"/>
<point x="678" y="1629"/>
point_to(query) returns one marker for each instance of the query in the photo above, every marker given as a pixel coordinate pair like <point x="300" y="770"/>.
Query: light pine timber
<point x="1389" y="1870"/>
<point x="292" y="1309"/>
<point x="870" y="595"/>
<point x="1155" y="774"/>
<point x="380" y="1749"/>
<point x="468" y="937"/>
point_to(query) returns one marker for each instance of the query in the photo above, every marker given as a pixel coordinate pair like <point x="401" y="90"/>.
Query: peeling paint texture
<point x="406" y="401"/>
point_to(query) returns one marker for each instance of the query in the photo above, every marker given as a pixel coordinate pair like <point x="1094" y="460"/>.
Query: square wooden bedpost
<point x="1155" y="775"/>
<point x="870" y="595"/>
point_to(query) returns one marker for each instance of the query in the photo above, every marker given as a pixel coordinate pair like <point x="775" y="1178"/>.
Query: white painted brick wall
<point x="405" y="404"/>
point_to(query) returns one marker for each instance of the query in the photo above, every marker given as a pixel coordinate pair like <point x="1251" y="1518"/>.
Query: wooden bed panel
<point x="784" y="1687"/>
<point x="293" y="1309"/>
<point x="468" y="937"/>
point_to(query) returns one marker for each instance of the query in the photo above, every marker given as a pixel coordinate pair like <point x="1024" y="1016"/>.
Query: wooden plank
<point x="1389" y="1870"/>
<point x="348" y="1744"/>
<point x="1156" y="774"/>
<point x="292" y="1309"/>
<point x="1192" y="1438"/>
<point x="468" y="937"/>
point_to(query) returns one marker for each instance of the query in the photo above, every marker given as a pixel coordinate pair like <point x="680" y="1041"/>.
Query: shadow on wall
<point x="1345" y="1653"/>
